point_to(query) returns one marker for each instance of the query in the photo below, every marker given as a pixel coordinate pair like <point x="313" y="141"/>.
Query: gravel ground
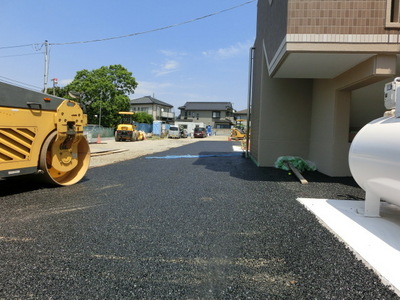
<point x="211" y="227"/>
<point x="296" y="257"/>
<point x="109" y="151"/>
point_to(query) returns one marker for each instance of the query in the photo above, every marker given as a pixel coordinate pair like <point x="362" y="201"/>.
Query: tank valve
<point x="392" y="95"/>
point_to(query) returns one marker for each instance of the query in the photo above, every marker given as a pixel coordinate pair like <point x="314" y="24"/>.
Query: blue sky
<point x="205" y="60"/>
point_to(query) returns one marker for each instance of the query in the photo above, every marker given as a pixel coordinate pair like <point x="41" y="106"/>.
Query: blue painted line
<point x="193" y="156"/>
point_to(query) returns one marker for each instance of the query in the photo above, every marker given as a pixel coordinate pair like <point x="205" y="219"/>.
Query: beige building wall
<point x="256" y="118"/>
<point x="330" y="129"/>
<point x="316" y="117"/>
<point x="204" y="117"/>
<point x="366" y="104"/>
<point x="282" y="118"/>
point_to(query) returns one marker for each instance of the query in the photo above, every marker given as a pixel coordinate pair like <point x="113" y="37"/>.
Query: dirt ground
<point x="108" y="151"/>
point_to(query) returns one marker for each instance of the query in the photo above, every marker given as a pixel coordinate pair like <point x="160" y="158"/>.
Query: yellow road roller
<point x="126" y="131"/>
<point x="43" y="135"/>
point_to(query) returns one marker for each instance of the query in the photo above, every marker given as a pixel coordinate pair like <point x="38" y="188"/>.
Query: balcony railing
<point x="167" y="115"/>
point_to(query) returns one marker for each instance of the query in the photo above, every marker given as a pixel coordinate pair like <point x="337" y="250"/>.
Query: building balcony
<point x="323" y="39"/>
<point x="167" y="115"/>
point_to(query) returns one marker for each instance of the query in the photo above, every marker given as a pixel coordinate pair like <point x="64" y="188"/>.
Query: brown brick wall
<point x="336" y="17"/>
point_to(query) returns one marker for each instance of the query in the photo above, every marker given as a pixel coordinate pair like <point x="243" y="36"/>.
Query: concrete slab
<point x="237" y="148"/>
<point x="106" y="152"/>
<point x="375" y="240"/>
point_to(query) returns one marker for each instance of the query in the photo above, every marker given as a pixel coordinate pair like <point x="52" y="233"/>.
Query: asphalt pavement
<point x="195" y="222"/>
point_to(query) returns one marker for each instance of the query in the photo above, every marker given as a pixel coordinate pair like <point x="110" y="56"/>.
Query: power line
<point x="23" y="54"/>
<point x="136" y="33"/>
<point x="38" y="46"/>
<point x="156" y="29"/>
<point x="19" y="46"/>
<point x="15" y="82"/>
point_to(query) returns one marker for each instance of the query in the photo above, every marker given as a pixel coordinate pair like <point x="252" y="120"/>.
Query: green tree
<point x="104" y="89"/>
<point x="143" y="117"/>
<point x="57" y="91"/>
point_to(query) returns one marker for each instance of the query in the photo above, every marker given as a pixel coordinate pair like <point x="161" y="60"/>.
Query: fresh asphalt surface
<point x="212" y="226"/>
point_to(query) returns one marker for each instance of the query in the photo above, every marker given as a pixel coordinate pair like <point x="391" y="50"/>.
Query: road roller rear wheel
<point x="60" y="177"/>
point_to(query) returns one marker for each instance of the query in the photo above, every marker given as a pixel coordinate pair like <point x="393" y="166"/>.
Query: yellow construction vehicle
<point x="238" y="132"/>
<point x="126" y="131"/>
<point x="43" y="135"/>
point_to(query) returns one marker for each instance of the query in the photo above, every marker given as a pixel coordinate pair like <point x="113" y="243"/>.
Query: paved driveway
<point x="193" y="222"/>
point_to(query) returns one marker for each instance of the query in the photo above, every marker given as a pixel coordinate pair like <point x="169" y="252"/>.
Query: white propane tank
<point x="374" y="156"/>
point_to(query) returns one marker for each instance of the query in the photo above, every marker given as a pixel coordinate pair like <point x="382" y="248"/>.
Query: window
<point x="393" y="13"/>
<point x="144" y="109"/>
<point x="216" y="114"/>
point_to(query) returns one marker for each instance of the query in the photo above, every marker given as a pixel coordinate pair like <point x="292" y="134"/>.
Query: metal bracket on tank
<point x="392" y="97"/>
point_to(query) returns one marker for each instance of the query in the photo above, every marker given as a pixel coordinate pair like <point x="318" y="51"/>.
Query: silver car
<point x="174" y="132"/>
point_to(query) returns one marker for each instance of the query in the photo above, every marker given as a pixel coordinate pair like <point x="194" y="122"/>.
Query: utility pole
<point x="55" y="81"/>
<point x="100" y="115"/>
<point x="46" y="65"/>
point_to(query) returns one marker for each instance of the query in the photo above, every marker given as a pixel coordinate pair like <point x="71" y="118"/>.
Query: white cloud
<point x="171" y="63"/>
<point x="64" y="82"/>
<point x="148" y="88"/>
<point x="171" y="53"/>
<point x="229" y="52"/>
<point x="169" y="66"/>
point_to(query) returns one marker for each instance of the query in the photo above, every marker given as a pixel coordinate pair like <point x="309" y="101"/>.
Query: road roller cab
<point x="126" y="131"/>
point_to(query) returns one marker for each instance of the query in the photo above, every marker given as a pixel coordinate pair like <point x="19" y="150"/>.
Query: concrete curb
<point x="106" y="152"/>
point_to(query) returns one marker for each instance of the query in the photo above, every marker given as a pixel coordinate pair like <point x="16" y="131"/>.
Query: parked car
<point x="174" y="132"/>
<point x="199" y="132"/>
<point x="184" y="133"/>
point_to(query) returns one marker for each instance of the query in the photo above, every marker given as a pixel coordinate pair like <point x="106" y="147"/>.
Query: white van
<point x="174" y="132"/>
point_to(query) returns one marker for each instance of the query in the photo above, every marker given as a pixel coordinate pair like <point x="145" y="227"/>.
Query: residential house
<point x="240" y="114"/>
<point x="215" y="114"/>
<point x="241" y="118"/>
<point x="160" y="110"/>
<point x="319" y="69"/>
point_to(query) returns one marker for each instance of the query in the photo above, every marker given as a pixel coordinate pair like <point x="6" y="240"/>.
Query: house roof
<point x="149" y="100"/>
<point x="206" y="106"/>
<point x="241" y="112"/>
